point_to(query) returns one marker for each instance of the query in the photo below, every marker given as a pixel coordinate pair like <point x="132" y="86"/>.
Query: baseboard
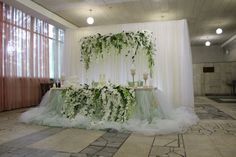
<point x="218" y="94"/>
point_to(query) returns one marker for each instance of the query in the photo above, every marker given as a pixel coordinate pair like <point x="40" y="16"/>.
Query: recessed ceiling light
<point x="219" y="31"/>
<point x="90" y="20"/>
<point x="208" y="43"/>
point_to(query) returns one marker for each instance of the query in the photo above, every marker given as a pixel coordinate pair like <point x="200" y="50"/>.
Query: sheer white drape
<point x="173" y="62"/>
<point x="116" y="68"/>
<point x="71" y="58"/>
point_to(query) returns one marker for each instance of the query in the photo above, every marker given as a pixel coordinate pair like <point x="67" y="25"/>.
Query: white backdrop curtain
<point x="173" y="62"/>
<point x="71" y="58"/>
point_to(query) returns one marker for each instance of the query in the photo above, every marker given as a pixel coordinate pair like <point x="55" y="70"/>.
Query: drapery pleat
<point x="1" y="62"/>
<point x="21" y="92"/>
<point x="24" y="58"/>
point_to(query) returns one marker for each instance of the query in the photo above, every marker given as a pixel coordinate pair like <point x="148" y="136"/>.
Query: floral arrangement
<point x="109" y="102"/>
<point x="99" y="44"/>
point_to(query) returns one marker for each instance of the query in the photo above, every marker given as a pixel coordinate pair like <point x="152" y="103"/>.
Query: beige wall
<point x="232" y="51"/>
<point x="213" y="83"/>
<point x="203" y="54"/>
<point x="225" y="69"/>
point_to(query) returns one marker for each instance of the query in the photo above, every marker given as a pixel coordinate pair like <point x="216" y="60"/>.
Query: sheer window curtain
<point x="24" y="58"/>
<point x="1" y="61"/>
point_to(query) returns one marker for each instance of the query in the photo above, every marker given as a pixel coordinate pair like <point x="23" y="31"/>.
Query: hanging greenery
<point x="99" y="44"/>
<point x="109" y="102"/>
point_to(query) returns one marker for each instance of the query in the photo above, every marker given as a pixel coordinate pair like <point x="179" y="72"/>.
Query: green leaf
<point x="99" y="44"/>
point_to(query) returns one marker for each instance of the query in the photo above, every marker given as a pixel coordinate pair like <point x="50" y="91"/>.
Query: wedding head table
<point x="105" y="107"/>
<point x="145" y="108"/>
<point x="108" y="106"/>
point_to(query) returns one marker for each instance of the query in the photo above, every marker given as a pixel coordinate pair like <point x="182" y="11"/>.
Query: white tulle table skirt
<point x="148" y="117"/>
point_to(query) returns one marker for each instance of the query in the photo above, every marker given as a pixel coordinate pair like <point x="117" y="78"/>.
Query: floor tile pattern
<point x="17" y="147"/>
<point x="137" y="145"/>
<point x="106" y="145"/>
<point x="69" y="140"/>
<point x="223" y="99"/>
<point x="212" y="128"/>
<point x="214" y="135"/>
<point x="32" y="138"/>
<point x="168" y="146"/>
<point x="25" y="152"/>
<point x="207" y="111"/>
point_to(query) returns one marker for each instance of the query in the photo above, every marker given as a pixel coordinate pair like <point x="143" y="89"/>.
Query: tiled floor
<point x="214" y="136"/>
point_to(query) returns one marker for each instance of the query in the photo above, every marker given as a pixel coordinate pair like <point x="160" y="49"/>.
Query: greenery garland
<point x="109" y="103"/>
<point x="98" y="44"/>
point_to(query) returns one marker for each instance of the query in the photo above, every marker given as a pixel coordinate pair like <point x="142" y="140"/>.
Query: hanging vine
<point x="99" y="44"/>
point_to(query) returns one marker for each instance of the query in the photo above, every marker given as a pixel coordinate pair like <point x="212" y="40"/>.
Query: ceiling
<point x="203" y="16"/>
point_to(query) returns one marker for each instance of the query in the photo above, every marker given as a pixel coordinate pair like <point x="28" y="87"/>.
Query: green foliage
<point x="99" y="44"/>
<point x="110" y="103"/>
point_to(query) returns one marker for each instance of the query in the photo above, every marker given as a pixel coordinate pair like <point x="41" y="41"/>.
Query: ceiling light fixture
<point x="208" y="43"/>
<point x="90" y="19"/>
<point x="219" y="31"/>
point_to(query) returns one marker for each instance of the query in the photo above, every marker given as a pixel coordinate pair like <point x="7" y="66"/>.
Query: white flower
<point x="110" y="102"/>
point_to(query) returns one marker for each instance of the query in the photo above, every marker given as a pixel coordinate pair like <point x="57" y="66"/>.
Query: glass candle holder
<point x="133" y="71"/>
<point x="145" y="77"/>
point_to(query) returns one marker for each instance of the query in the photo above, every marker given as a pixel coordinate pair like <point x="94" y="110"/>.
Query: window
<point x="56" y="47"/>
<point x="30" y="54"/>
<point x="31" y="47"/>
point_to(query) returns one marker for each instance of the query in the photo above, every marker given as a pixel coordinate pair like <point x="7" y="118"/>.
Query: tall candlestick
<point x="145" y="77"/>
<point x="62" y="79"/>
<point x="133" y="73"/>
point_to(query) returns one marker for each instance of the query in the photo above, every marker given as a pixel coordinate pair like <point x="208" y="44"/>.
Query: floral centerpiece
<point x="108" y="102"/>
